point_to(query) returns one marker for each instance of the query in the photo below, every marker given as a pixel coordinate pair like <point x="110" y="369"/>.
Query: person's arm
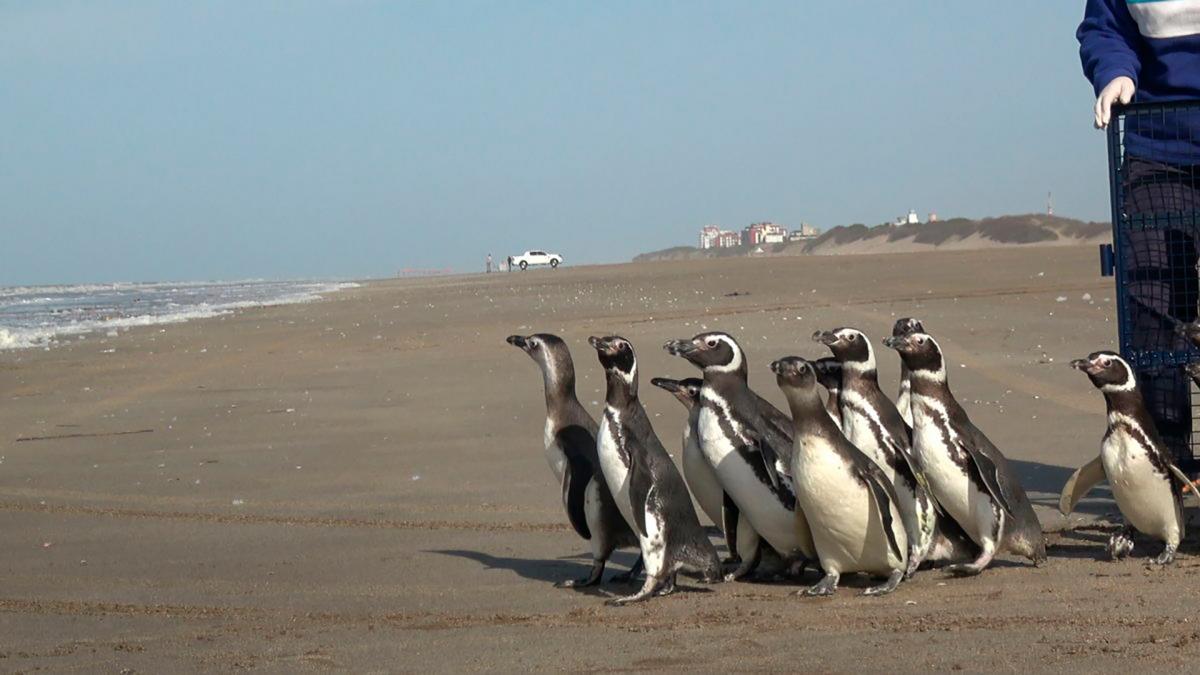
<point x="1107" y="48"/>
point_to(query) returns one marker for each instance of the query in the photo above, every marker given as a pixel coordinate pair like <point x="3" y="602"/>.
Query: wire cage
<point x="1154" y="175"/>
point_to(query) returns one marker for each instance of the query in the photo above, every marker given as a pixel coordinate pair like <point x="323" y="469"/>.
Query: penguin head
<point x="616" y="355"/>
<point x="1193" y="370"/>
<point x="546" y="349"/>
<point x="921" y="353"/>
<point x="849" y="346"/>
<point x="686" y="391"/>
<point x="907" y="325"/>
<point x="717" y="352"/>
<point x="793" y="372"/>
<point x="829" y="372"/>
<point x="1107" y="371"/>
<point x="1190" y="331"/>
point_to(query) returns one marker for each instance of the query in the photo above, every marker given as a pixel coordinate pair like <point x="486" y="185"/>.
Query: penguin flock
<point x="844" y="482"/>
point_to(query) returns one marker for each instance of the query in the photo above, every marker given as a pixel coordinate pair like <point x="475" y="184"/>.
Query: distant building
<point x="764" y="233"/>
<point x="911" y="219"/>
<point x="805" y="232"/>
<point x="933" y="216"/>
<point x="712" y="236"/>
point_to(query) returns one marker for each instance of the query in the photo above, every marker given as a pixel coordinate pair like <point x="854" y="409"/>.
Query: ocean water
<point x="41" y="316"/>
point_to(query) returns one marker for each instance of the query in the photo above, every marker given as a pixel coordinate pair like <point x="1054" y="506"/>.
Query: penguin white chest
<point x="845" y="521"/>
<point x="554" y="454"/>
<point x="862" y="427"/>
<point x="1143" y="494"/>
<point x="616" y="473"/>
<point x="700" y="476"/>
<point x="770" y="518"/>
<point x="933" y="438"/>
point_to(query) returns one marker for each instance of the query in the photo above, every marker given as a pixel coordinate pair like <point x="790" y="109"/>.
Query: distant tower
<point x="1049" y="203"/>
<point x="933" y="216"/>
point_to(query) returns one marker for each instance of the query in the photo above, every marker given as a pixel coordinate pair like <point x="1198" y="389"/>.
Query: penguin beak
<point x="1086" y="366"/>
<point x="827" y="338"/>
<point x="666" y="383"/>
<point x="597" y="343"/>
<point x="679" y="347"/>
<point x="517" y="341"/>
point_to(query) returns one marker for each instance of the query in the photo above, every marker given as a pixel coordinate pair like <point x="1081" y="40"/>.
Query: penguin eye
<point x="712" y="343"/>
<point x="853" y="337"/>
<point x="920" y="340"/>
<point x="533" y="344"/>
<point x="1105" y="362"/>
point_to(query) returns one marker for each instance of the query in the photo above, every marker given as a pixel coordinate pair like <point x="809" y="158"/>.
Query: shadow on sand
<point x="1044" y="484"/>
<point x="554" y="571"/>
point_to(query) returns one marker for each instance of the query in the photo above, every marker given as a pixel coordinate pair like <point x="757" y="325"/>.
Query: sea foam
<point x="41" y="316"/>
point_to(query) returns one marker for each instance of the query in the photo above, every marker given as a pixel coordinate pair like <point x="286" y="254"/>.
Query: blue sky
<point x="219" y="140"/>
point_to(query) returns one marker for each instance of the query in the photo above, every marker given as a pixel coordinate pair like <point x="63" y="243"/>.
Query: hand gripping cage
<point x="1154" y="177"/>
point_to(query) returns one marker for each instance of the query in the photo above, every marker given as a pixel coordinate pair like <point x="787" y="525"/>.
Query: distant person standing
<point x="1148" y="51"/>
<point x="489" y="263"/>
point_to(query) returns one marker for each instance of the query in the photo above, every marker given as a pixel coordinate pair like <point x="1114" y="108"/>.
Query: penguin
<point x="968" y="476"/>
<point x="748" y="442"/>
<point x="1139" y="469"/>
<point x="829" y="375"/>
<point x="699" y="474"/>
<point x="871" y="423"/>
<point x="850" y="504"/>
<point x="902" y="327"/>
<point x="570" y="446"/>
<point x="644" y="481"/>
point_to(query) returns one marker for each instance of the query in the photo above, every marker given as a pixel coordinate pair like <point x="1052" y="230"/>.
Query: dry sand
<point x="359" y="484"/>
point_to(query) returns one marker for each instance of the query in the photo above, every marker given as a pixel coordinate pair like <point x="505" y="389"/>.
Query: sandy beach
<point x="358" y="483"/>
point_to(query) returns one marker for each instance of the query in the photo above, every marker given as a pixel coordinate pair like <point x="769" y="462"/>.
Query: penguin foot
<point x="651" y="585"/>
<point x="1166" y="557"/>
<point x="629" y="576"/>
<point x="667" y="588"/>
<point x="914" y="561"/>
<point x="965" y="569"/>
<point x="826" y="586"/>
<point x="1120" y="545"/>
<point x="591" y="579"/>
<point x="742" y="571"/>
<point x="887" y="586"/>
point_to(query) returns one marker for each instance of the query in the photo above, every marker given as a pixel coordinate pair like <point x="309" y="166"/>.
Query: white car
<point x="528" y="258"/>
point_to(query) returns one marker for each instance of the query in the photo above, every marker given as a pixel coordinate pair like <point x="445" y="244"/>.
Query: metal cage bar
<point x="1154" y="183"/>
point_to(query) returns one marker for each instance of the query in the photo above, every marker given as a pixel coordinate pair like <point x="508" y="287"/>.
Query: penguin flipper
<point x="989" y="475"/>
<point x="1079" y="484"/>
<point x="770" y="460"/>
<point x="641" y="483"/>
<point x="881" y="491"/>
<point x="1182" y="477"/>
<point x="729" y="521"/>
<point x="577" y="473"/>
<point x="884" y="500"/>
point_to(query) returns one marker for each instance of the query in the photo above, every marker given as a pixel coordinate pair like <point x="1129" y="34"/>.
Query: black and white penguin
<point x="1139" y="468"/>
<point x="570" y="446"/>
<point x="644" y="481"/>
<point x="902" y="327"/>
<point x="968" y="476"/>
<point x="748" y="442"/>
<point x="829" y="375"/>
<point x="849" y="502"/>
<point x="871" y="423"/>
<point x="699" y="474"/>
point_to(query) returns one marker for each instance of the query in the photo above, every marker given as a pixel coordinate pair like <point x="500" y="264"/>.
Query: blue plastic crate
<point x="1154" y="178"/>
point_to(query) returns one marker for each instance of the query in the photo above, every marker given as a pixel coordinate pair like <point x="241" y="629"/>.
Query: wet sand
<point x="358" y="483"/>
